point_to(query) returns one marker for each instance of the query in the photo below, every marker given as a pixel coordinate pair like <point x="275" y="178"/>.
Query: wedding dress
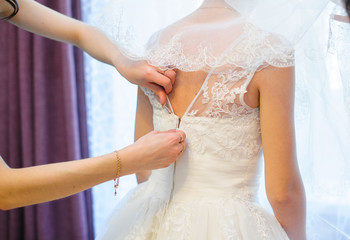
<point x="211" y="192"/>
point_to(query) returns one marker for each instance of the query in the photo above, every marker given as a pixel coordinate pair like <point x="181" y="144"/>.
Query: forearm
<point x="290" y="210"/>
<point x="21" y="187"/>
<point x="99" y="46"/>
<point x="26" y="186"/>
<point x="54" y="25"/>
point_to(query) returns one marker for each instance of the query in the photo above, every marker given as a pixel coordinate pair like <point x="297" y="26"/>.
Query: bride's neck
<point x="214" y="4"/>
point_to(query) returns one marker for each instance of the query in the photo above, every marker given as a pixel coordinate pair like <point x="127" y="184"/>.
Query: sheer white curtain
<point x="322" y="124"/>
<point x="111" y="111"/>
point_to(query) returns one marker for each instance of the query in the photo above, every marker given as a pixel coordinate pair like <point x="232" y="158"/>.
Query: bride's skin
<point x="26" y="186"/>
<point x="271" y="89"/>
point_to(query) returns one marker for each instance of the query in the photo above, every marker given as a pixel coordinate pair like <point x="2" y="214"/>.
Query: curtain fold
<point x="43" y="120"/>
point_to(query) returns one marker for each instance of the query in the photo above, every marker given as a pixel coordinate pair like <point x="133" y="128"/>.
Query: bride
<point x="233" y="97"/>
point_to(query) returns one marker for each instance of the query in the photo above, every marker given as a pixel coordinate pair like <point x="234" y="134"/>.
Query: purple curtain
<point x="42" y="120"/>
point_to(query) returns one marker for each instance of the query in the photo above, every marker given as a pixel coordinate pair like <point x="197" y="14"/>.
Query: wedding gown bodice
<point x="222" y="154"/>
<point x="221" y="160"/>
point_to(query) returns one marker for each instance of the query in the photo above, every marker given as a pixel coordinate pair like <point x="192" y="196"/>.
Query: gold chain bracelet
<point x="116" y="179"/>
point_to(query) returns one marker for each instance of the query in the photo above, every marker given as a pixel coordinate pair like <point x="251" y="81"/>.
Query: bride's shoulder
<point x="167" y="34"/>
<point x="272" y="48"/>
<point x="256" y="36"/>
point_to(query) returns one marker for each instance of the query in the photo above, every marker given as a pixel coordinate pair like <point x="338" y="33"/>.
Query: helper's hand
<point x="145" y="75"/>
<point x="155" y="150"/>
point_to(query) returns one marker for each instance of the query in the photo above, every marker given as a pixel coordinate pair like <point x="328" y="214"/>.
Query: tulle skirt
<point x="150" y="212"/>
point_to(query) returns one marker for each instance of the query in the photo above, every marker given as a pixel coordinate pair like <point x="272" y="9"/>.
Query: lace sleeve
<point x="268" y="49"/>
<point x="281" y="52"/>
<point x="153" y="98"/>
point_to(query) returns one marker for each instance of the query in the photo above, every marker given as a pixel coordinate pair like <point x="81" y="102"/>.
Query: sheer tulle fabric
<point x="227" y="43"/>
<point x="323" y="125"/>
<point x="287" y="18"/>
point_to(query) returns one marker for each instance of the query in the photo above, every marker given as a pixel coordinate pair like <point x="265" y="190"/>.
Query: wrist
<point x="118" y="61"/>
<point x="127" y="161"/>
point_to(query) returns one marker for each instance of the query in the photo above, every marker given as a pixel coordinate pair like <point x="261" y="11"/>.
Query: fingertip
<point x="162" y="97"/>
<point x="182" y="133"/>
<point x="159" y="91"/>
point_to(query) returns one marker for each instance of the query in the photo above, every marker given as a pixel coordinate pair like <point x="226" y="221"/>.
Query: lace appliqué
<point x="173" y="54"/>
<point x="223" y="97"/>
<point x="154" y="100"/>
<point x="255" y="49"/>
<point x="180" y="216"/>
<point x="182" y="225"/>
<point x="228" y="138"/>
<point x="246" y="200"/>
<point x="141" y="231"/>
<point x="228" y="222"/>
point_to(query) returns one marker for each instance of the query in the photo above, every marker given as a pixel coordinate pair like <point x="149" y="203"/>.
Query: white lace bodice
<point x="223" y="133"/>
<point x="220" y="151"/>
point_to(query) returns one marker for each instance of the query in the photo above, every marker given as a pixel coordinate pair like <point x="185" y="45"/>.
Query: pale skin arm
<point x="284" y="186"/>
<point x="54" y="25"/>
<point x="26" y="186"/>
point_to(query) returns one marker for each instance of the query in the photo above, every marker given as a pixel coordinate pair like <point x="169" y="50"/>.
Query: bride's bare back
<point x="188" y="84"/>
